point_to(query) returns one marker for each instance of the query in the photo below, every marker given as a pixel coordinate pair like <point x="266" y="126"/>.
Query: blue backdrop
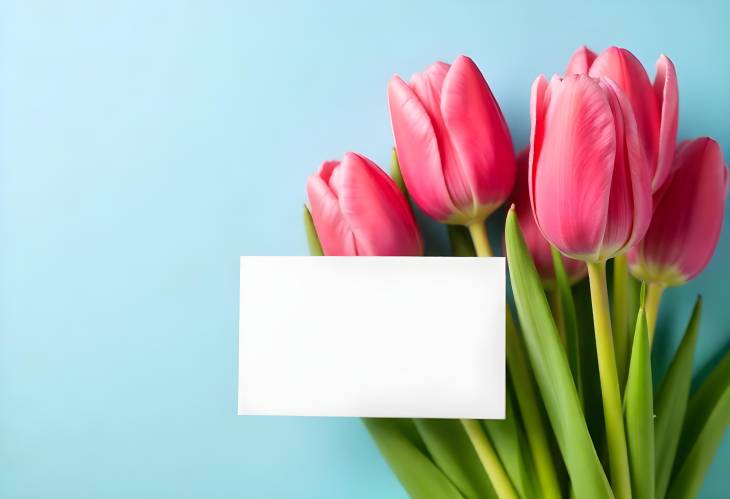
<point x="144" y="146"/>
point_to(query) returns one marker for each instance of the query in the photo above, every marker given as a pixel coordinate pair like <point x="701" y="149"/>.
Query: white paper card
<point x="372" y="337"/>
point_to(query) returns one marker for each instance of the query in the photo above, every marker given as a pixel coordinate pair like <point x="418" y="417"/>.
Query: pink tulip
<point x="687" y="217"/>
<point x="655" y="106"/>
<point x="536" y="242"/>
<point x="454" y="147"/>
<point x="358" y="210"/>
<point x="589" y="182"/>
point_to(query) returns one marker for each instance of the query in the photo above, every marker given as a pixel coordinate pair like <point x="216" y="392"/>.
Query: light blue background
<point x="144" y="146"/>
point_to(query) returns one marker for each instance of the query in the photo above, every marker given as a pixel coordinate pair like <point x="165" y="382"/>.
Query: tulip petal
<point x="536" y="243"/>
<point x="629" y="209"/>
<point x="375" y="210"/>
<point x="428" y="87"/>
<point x="580" y="62"/>
<point x="624" y="68"/>
<point x="539" y="101"/>
<point x="667" y="96"/>
<point x="418" y="151"/>
<point x="579" y="141"/>
<point x="334" y="234"/>
<point x="479" y="138"/>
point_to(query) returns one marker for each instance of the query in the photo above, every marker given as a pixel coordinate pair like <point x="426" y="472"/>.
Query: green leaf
<point x="572" y="338"/>
<point x="707" y="419"/>
<point x="533" y="420"/>
<point x="671" y="402"/>
<point x="506" y="439"/>
<point x="639" y="413"/>
<point x="532" y="483"/>
<point x="551" y="369"/>
<point x="690" y="475"/>
<point x="451" y="450"/>
<point x="461" y="244"/>
<point x="415" y="471"/>
<point x="315" y="249"/>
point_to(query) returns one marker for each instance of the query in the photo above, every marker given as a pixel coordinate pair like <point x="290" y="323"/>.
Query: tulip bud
<point x="687" y="220"/>
<point x="535" y="241"/>
<point x="589" y="181"/>
<point x="655" y="106"/>
<point x="453" y="144"/>
<point x="358" y="210"/>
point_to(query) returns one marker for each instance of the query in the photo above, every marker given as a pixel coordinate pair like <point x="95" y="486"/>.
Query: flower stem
<point x="489" y="459"/>
<point x="479" y="237"/>
<point x="620" y="315"/>
<point x="654" y="293"/>
<point x="525" y="390"/>
<point x="612" y="411"/>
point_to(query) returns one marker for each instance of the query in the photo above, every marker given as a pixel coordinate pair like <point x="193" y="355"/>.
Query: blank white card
<point x="372" y="337"/>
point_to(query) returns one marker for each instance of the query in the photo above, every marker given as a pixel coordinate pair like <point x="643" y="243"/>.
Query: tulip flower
<point x="655" y="105"/>
<point x="536" y="243"/>
<point x="590" y="191"/>
<point x="656" y="110"/>
<point x="686" y="224"/>
<point x="589" y="184"/>
<point x="358" y="210"/>
<point x="453" y="145"/>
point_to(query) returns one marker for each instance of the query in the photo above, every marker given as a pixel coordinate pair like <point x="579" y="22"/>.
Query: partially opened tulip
<point x="655" y="106"/>
<point x="535" y="241"/>
<point x="590" y="190"/>
<point x="453" y="144"/>
<point x="589" y="184"/>
<point x="686" y="224"/>
<point x="358" y="210"/>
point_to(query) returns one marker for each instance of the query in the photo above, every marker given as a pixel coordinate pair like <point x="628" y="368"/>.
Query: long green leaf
<point x="639" y="413"/>
<point x="702" y="402"/>
<point x="572" y="339"/>
<point x="552" y="371"/>
<point x="528" y="401"/>
<point x="703" y="428"/>
<point x="505" y="436"/>
<point x="690" y="475"/>
<point x="671" y="402"/>
<point x="451" y="450"/>
<point x="315" y="248"/>
<point x="415" y="471"/>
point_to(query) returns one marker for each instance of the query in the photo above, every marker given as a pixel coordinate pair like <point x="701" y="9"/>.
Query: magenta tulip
<point x="655" y="106"/>
<point x="358" y="210"/>
<point x="453" y="144"/>
<point x="536" y="242"/>
<point x="687" y="220"/>
<point x="589" y="181"/>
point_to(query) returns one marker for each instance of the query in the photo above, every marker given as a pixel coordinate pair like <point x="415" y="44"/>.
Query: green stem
<point x="479" y="237"/>
<point x="654" y="293"/>
<point x="525" y="390"/>
<point x="489" y="459"/>
<point x="612" y="411"/>
<point x="620" y="315"/>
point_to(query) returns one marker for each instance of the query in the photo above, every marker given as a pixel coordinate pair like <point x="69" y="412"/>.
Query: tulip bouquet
<point x="602" y="180"/>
